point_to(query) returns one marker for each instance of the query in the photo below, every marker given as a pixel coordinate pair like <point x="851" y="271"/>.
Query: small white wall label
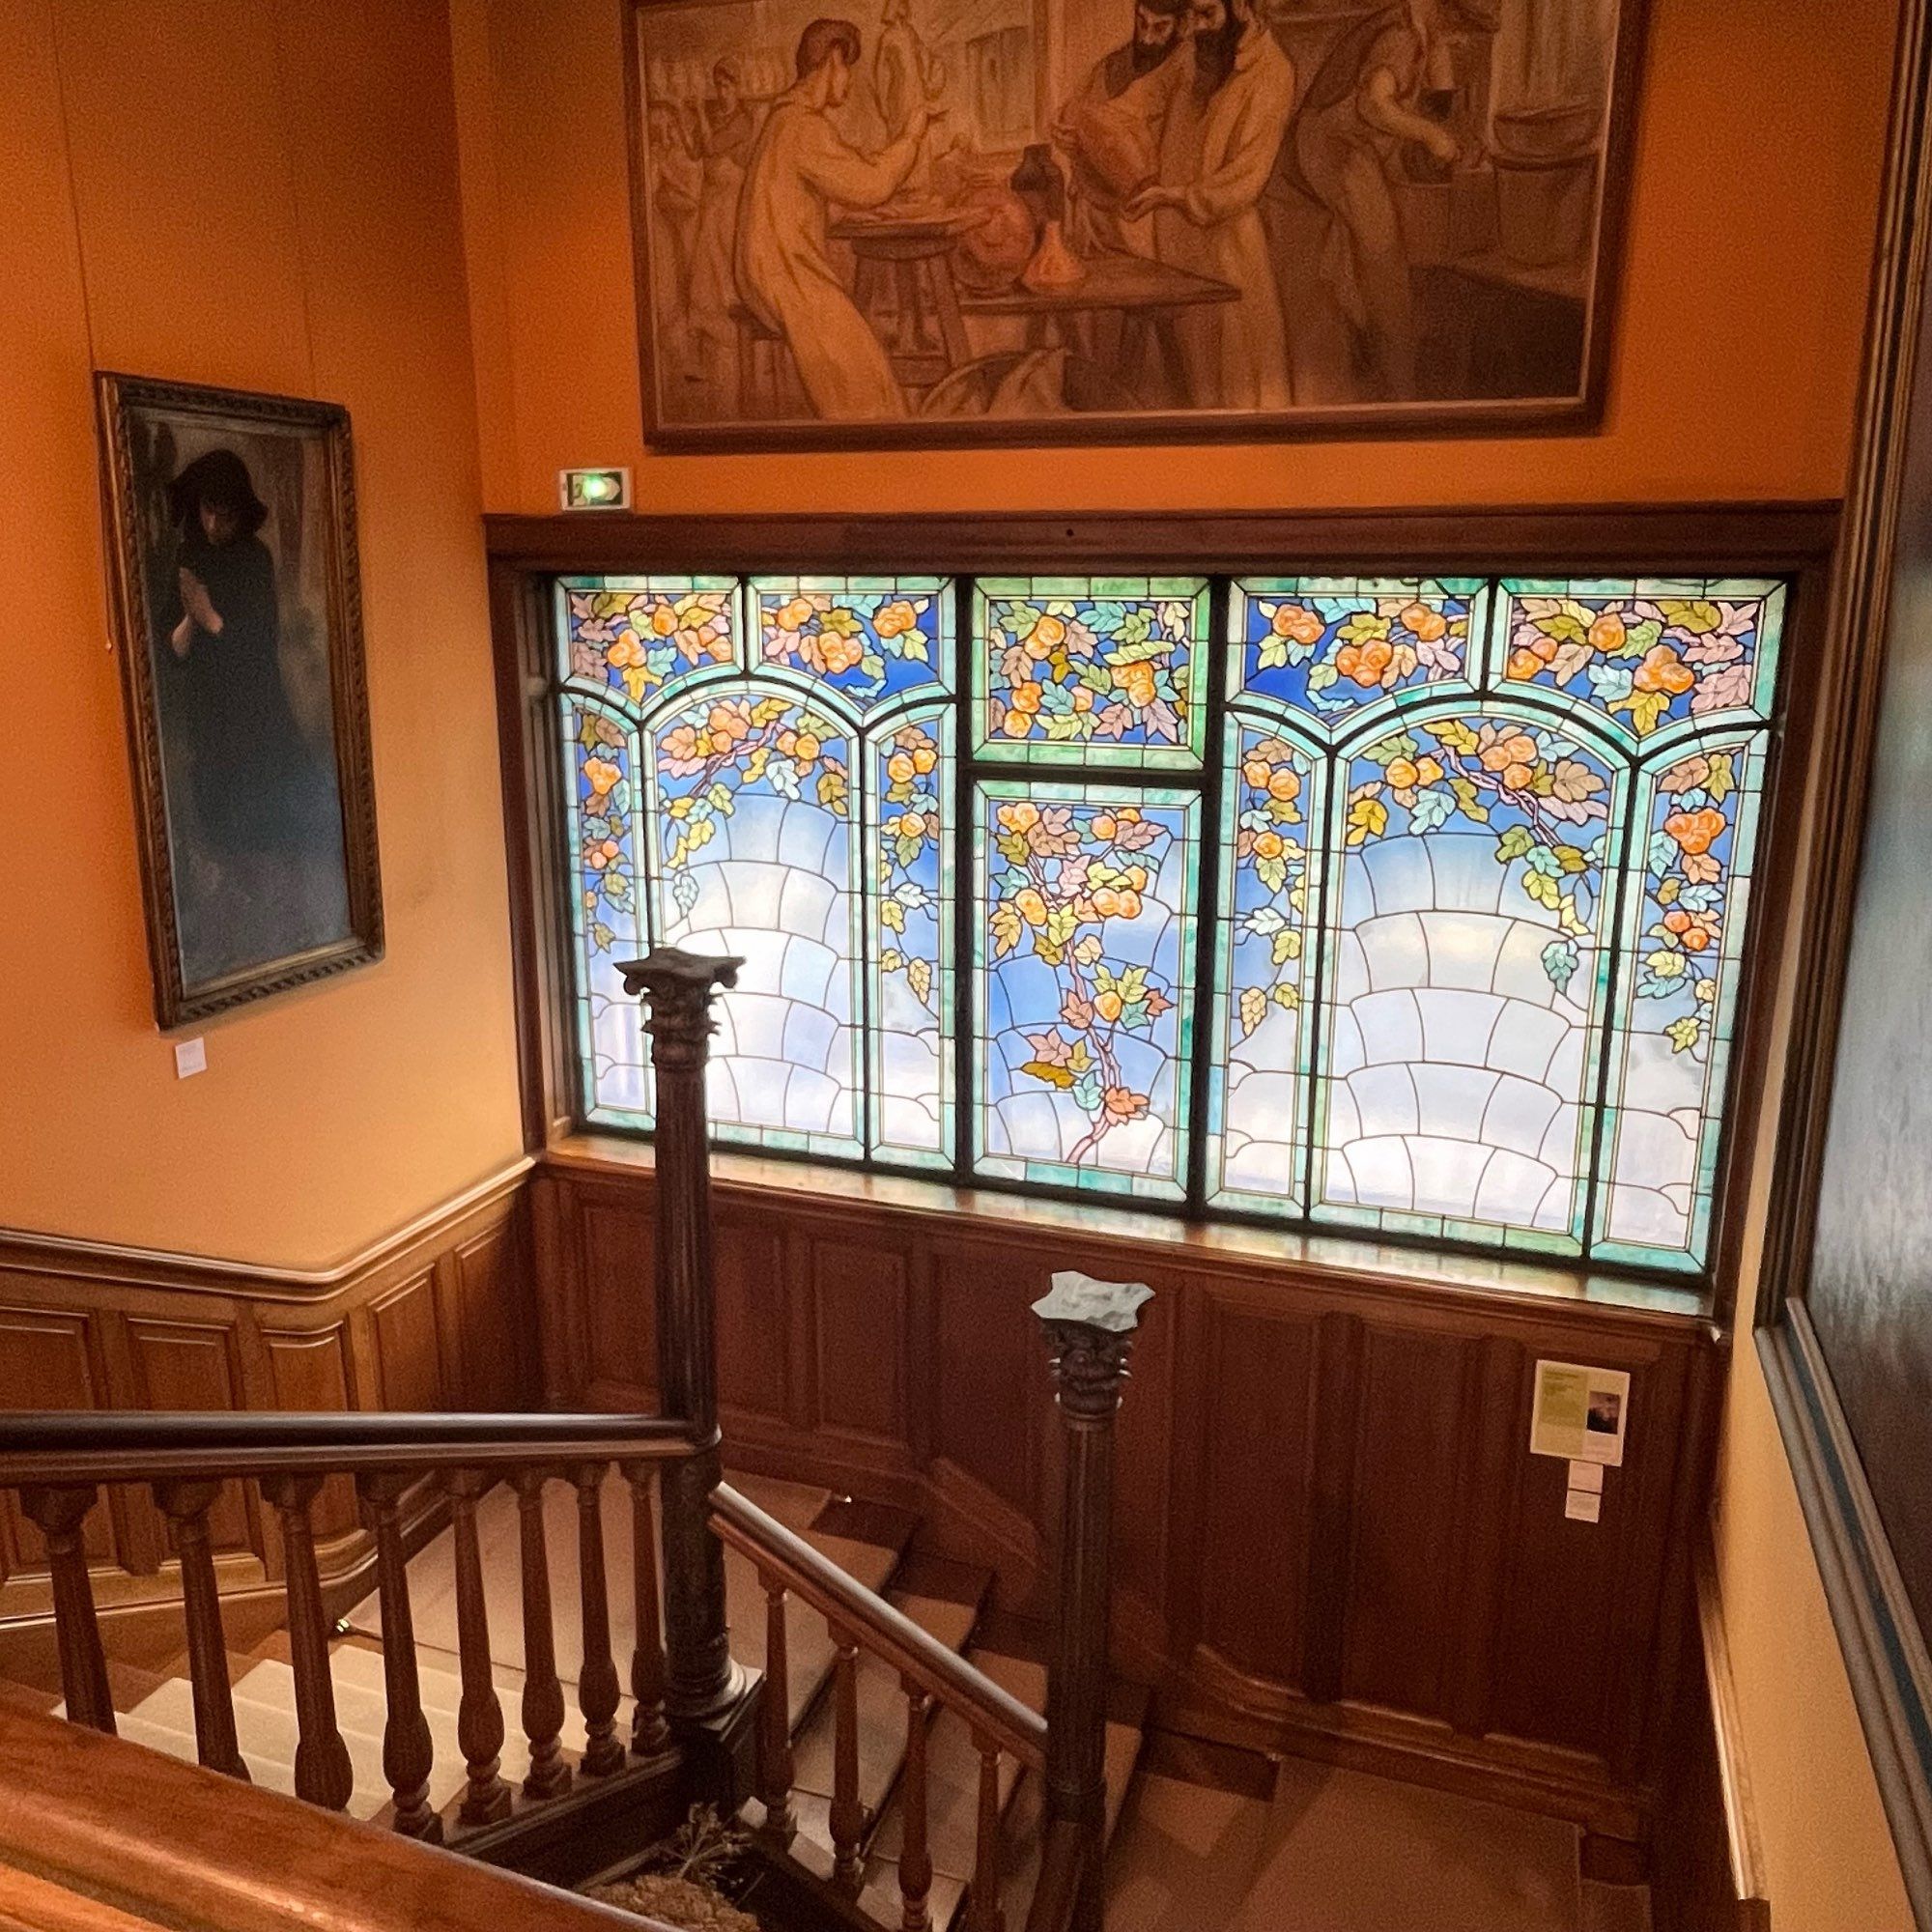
<point x="191" y="1057"/>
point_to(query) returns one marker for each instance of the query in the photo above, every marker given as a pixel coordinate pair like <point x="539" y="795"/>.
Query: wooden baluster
<point x="848" y="1815"/>
<point x="650" y="1735"/>
<point x="479" y="1715"/>
<point x="915" y="1859"/>
<point x="323" y="1774"/>
<point x="186" y="1505"/>
<point x="982" y="1903"/>
<point x="61" y="1514"/>
<point x="408" y="1751"/>
<point x="775" y="1763"/>
<point x="1089" y="1332"/>
<point x="542" y="1695"/>
<point x="597" y="1690"/>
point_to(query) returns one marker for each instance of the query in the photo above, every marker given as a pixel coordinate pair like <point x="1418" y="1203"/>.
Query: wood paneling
<point x="861" y="1343"/>
<point x="617" y="1326"/>
<point x="431" y="1318"/>
<point x="1329" y="1534"/>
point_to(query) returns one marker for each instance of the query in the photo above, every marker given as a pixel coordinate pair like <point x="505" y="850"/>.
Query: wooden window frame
<point x="1792" y="540"/>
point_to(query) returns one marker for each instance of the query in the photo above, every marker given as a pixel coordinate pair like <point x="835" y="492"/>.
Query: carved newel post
<point x="1089" y="1328"/>
<point x="700" y="1679"/>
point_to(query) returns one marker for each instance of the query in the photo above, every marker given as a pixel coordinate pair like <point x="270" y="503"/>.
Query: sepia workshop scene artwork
<point x="938" y="220"/>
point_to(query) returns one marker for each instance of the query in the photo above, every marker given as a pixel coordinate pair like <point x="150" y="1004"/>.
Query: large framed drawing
<point x="232" y="532"/>
<point x="922" y="222"/>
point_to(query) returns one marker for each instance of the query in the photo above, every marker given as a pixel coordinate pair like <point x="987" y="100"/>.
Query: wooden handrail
<point x="79" y="1447"/>
<point x="884" y="1632"/>
<point x="178" y="1846"/>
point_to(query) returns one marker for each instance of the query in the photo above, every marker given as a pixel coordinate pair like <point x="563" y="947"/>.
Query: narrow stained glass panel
<point x="1646" y="652"/>
<point x="1671" y="1039"/>
<point x="757" y="855"/>
<point x="911" y="925"/>
<point x="1326" y="647"/>
<point x="643" y="635"/>
<point x="1094" y="671"/>
<point x="605" y="839"/>
<point x="1264" y="979"/>
<point x="1084" y="985"/>
<point x="1465" y="981"/>
<point x="871" y="639"/>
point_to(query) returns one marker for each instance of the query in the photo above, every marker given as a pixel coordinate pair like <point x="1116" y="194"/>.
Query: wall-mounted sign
<point x="1579" y="1413"/>
<point x="594" y="489"/>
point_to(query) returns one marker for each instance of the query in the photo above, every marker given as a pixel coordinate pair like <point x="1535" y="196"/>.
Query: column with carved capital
<point x="700" y="1679"/>
<point x="1089" y="1329"/>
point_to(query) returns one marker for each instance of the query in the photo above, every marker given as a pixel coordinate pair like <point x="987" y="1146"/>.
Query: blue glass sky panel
<point x="910" y="940"/>
<point x="1094" y="671"/>
<point x="756" y="854"/>
<point x="1325" y="647"/>
<point x="641" y="636"/>
<point x="604" y="835"/>
<point x="1083" y="983"/>
<point x="1683" y="939"/>
<point x="1465" y="980"/>
<point x="1647" y="653"/>
<point x="871" y="640"/>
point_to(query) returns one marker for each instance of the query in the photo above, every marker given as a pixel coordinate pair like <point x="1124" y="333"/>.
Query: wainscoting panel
<point x="435" y="1316"/>
<point x="1330" y="1535"/>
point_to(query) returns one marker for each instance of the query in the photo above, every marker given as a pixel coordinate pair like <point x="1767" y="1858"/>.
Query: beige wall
<point x="257" y="194"/>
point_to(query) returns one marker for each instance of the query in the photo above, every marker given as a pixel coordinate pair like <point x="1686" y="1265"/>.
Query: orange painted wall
<point x="259" y="193"/>
<point x="1757" y="168"/>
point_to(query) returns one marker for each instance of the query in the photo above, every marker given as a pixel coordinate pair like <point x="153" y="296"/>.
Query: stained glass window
<point x="1412" y="904"/>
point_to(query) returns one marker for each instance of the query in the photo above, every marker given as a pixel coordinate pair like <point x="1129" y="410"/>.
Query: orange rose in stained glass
<point x="643" y="639"/>
<point x="1097" y="673"/>
<point x="1694" y="832"/>
<point x="865" y="644"/>
<point x="1294" y="621"/>
<point x="1326" y="647"/>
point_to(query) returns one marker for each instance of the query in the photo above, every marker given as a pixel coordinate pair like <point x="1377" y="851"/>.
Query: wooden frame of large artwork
<point x="337" y="746"/>
<point x="1458" y="245"/>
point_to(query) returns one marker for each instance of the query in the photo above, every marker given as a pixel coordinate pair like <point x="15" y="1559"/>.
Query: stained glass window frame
<point x="1203" y="773"/>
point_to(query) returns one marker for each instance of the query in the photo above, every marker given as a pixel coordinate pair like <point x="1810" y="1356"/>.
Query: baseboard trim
<point x="1749" y="1883"/>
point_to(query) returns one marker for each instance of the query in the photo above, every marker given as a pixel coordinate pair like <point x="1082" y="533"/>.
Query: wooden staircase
<point x="870" y="1543"/>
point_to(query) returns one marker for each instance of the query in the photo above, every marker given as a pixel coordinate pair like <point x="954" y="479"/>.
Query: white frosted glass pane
<point x="1526" y="1039"/>
<point x="1391" y="1026"/>
<point x="757" y="891"/>
<point x="1394" y="951"/>
<point x="1381" y="1173"/>
<point x="1517" y="1115"/>
<point x="1447" y="1174"/>
<point x="1404" y="881"/>
<point x="810" y="1036"/>
<point x="1466" y="872"/>
<point x="1513" y="1189"/>
<point x="1451" y="1099"/>
<point x="1653" y="1151"/>
<point x="1462" y="947"/>
<point x="1384" y="1097"/>
<point x="807" y="970"/>
<point x="808" y="905"/>
<point x="1456" y="1026"/>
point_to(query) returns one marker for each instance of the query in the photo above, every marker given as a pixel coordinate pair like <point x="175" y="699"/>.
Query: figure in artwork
<point x="1225" y="210"/>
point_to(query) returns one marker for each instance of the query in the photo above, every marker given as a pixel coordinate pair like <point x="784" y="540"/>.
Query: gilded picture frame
<point x="237" y="607"/>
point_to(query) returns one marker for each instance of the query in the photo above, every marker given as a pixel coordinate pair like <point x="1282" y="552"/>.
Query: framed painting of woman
<point x="238" y="611"/>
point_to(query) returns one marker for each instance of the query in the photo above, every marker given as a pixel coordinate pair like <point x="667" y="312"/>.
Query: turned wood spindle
<point x="982" y="1902"/>
<point x="479" y="1716"/>
<point x="650" y="1735"/>
<point x="323" y="1773"/>
<point x="408" y="1749"/>
<point x="914" y="1856"/>
<point x="702" y="1679"/>
<point x="775" y="1761"/>
<point x="1089" y="1328"/>
<point x="61" y="1516"/>
<point x="597" y="1690"/>
<point x="848" y="1815"/>
<point x="186" y="1505"/>
<point x="542" y="1695"/>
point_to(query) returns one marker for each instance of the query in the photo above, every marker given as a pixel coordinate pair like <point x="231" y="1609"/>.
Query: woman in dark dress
<point x="267" y="826"/>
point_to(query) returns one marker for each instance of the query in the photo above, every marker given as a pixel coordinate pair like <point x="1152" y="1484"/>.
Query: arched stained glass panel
<point x="1084" y="987"/>
<point x="1272" y="846"/>
<point x="756" y="854"/>
<point x="910" y="924"/>
<point x="1690" y="882"/>
<point x="606" y="913"/>
<point x="1465" y="974"/>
